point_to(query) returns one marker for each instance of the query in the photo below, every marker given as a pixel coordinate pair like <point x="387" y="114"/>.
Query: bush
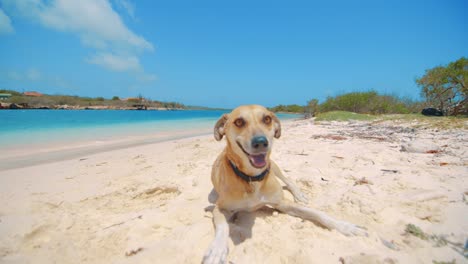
<point x="366" y="103"/>
<point x="13" y="93"/>
<point x="288" y="108"/>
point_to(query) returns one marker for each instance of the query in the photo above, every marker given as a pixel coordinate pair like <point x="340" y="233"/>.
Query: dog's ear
<point x="277" y="125"/>
<point x="219" y="127"/>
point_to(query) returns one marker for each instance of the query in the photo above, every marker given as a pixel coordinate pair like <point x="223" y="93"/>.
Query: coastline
<point x="149" y="201"/>
<point x="20" y="156"/>
<point x="13" y="106"/>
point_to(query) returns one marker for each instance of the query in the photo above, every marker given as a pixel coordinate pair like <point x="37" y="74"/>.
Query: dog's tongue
<point x="258" y="160"/>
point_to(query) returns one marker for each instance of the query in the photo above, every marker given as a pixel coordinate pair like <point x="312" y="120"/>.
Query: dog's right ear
<point x="219" y="127"/>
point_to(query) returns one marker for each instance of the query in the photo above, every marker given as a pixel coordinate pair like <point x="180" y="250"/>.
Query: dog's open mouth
<point x="257" y="160"/>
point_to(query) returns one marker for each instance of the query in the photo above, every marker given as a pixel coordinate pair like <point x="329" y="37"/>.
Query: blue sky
<point x="226" y="53"/>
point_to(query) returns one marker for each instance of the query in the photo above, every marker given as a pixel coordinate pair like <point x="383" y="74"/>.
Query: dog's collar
<point x="246" y="177"/>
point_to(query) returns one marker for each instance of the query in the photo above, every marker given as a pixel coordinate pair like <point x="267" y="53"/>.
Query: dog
<point x="246" y="179"/>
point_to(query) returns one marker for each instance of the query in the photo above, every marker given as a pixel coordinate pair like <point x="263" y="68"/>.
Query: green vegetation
<point x="288" y="108"/>
<point x="11" y="92"/>
<point x="436" y="240"/>
<point x="342" y="116"/>
<point x="416" y="231"/>
<point x="59" y="101"/>
<point x="357" y="102"/>
<point x="446" y="87"/>
<point x="312" y="107"/>
<point x="443" y="87"/>
<point x="365" y="102"/>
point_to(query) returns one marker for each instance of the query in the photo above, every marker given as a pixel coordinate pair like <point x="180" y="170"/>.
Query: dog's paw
<point x="349" y="229"/>
<point x="216" y="254"/>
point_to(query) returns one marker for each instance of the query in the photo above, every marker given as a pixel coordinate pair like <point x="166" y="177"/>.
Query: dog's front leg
<point x="218" y="250"/>
<point x="320" y="218"/>
<point x="298" y="195"/>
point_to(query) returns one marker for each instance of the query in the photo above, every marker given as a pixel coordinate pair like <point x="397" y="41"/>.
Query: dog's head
<point x="249" y="131"/>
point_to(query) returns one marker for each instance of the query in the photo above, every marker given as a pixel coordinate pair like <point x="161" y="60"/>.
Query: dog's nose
<point x="259" y="143"/>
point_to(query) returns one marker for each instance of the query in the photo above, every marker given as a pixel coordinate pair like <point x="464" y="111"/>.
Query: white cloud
<point x="5" y="23"/>
<point x="128" y="6"/>
<point x="116" y="62"/>
<point x="122" y="63"/>
<point x="94" y="21"/>
<point x="97" y="25"/>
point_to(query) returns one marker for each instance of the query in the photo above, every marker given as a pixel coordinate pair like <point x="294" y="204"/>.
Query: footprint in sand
<point x="38" y="236"/>
<point x="163" y="193"/>
<point x="130" y="199"/>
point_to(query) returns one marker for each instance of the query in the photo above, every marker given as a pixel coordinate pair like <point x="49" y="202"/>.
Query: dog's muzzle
<point x="259" y="146"/>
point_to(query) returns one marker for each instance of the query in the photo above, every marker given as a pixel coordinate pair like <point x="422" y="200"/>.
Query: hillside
<point x="34" y="100"/>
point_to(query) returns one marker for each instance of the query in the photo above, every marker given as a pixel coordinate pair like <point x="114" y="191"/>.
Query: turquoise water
<point x="26" y="127"/>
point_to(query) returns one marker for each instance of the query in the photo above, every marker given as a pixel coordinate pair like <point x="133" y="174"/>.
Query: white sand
<point x="146" y="204"/>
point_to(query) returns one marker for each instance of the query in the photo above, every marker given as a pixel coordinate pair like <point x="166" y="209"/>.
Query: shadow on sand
<point x="241" y="223"/>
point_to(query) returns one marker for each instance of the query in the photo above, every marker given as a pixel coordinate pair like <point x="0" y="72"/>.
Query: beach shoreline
<point x="15" y="157"/>
<point x="149" y="202"/>
<point x="100" y="139"/>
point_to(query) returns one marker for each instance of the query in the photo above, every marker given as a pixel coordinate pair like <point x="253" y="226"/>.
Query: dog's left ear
<point x="277" y="125"/>
<point x="219" y="127"/>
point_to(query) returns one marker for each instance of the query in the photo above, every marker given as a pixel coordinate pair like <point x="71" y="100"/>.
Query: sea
<point x="32" y="128"/>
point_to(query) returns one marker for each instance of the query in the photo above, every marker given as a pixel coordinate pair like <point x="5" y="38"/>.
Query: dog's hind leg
<point x="298" y="195"/>
<point x="320" y="218"/>
<point x="218" y="250"/>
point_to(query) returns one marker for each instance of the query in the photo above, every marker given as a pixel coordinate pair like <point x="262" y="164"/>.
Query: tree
<point x="312" y="107"/>
<point x="115" y="98"/>
<point x="445" y="87"/>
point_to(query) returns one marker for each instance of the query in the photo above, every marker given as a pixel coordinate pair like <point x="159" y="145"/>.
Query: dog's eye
<point x="239" y="122"/>
<point x="267" y="120"/>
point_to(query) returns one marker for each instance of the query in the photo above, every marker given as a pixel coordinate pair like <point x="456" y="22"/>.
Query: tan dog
<point x="245" y="179"/>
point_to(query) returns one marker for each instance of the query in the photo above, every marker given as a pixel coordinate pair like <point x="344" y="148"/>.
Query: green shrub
<point x="365" y="102"/>
<point x="13" y="93"/>
<point x="288" y="108"/>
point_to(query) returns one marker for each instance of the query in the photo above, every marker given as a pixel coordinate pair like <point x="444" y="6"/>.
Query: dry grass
<point x="413" y="120"/>
<point x="420" y="121"/>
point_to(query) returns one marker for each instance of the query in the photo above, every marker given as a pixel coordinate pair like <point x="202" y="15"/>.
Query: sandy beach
<point x="148" y="203"/>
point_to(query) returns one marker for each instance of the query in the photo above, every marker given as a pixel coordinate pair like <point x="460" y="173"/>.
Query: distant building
<point x="32" y="93"/>
<point x="4" y="96"/>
